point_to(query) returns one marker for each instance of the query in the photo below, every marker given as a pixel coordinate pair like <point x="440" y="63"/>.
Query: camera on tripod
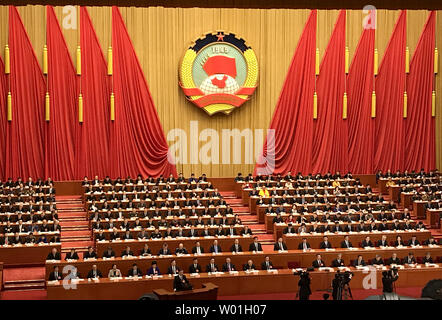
<point x="303" y="274"/>
<point x="393" y="272"/>
<point x="341" y="285"/>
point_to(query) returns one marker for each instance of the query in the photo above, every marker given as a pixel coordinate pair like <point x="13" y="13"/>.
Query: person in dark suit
<point x="346" y="243"/>
<point x="413" y="241"/>
<point x="236" y="247"/>
<point x="410" y="259"/>
<point x="55" y="275"/>
<point x="109" y="253"/>
<point x="145" y="251"/>
<point x="127" y="252"/>
<point x="325" y="244"/>
<point x="318" y="262"/>
<point x="249" y="266"/>
<point x="289" y="229"/>
<point x="388" y="278"/>
<point x="173" y="268"/>
<point x="134" y="271"/>
<point x="338" y="262"/>
<point x="367" y="242"/>
<point x="394" y="259"/>
<point x="255" y="245"/>
<point x="430" y="241"/>
<point x="197" y="249"/>
<point x="228" y="266"/>
<point x="246" y="231"/>
<point x="359" y="262"/>
<point x="427" y="258"/>
<point x="215" y="248"/>
<point x="72" y="255"/>
<point x="280" y="245"/>
<point x="383" y="242"/>
<point x="304" y="245"/>
<point x="164" y="250"/>
<point x="195" y="267"/>
<point x="267" y="264"/>
<point x="377" y="260"/>
<point x="90" y="254"/>
<point x="212" y="266"/>
<point x="94" y="273"/>
<point x="180" y="282"/>
<point x="54" y="255"/>
<point x="154" y="270"/>
<point x="181" y="249"/>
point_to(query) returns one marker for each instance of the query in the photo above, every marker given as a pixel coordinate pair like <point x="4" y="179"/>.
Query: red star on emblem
<point x="220" y="37"/>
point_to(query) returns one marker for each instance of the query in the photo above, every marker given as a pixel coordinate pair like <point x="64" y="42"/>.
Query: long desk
<point x="208" y="292"/>
<point x="433" y="217"/>
<point x="293" y="240"/>
<point x="278" y="228"/>
<point x="33" y="255"/>
<point x="280" y="260"/>
<point x="156" y="245"/>
<point x="260" y="282"/>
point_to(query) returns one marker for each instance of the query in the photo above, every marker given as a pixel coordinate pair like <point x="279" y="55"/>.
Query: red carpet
<point x="357" y="295"/>
<point x="24" y="295"/>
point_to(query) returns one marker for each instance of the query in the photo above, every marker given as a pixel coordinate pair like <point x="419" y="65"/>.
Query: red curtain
<point x="419" y="125"/>
<point x="25" y="133"/>
<point x="360" y="123"/>
<point x="3" y="122"/>
<point x="62" y="88"/>
<point x="390" y="87"/>
<point x="293" y="116"/>
<point x="330" y="146"/>
<point x="93" y="134"/>
<point x="138" y="143"/>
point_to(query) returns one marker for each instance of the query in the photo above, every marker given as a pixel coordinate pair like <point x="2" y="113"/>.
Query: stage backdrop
<point x="161" y="35"/>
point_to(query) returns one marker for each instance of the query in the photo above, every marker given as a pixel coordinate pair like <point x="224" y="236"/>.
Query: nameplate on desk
<point x="195" y="275"/>
<point x="216" y="273"/>
<point x="368" y="248"/>
<point x="252" y="271"/>
<point x="325" y="269"/>
<point x="330" y="249"/>
<point x="432" y="265"/>
<point x="157" y="277"/>
<point x="343" y="268"/>
<point x="272" y="270"/>
<point x="362" y="268"/>
<point x="116" y="278"/>
<point x="281" y="251"/>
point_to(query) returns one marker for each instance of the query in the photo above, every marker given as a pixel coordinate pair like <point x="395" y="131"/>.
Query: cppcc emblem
<point x="219" y="72"/>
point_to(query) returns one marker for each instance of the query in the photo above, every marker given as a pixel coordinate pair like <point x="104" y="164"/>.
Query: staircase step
<point x="74" y="223"/>
<point x="24" y="284"/>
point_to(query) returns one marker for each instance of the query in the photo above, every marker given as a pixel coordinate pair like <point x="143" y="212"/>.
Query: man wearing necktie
<point x="212" y="267"/>
<point x="228" y="266"/>
<point x="195" y="267"/>
<point x="255" y="245"/>
<point x="267" y="264"/>
<point x="215" y="248"/>
<point x="55" y="275"/>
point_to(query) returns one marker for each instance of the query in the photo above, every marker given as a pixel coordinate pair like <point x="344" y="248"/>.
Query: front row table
<point x="239" y="283"/>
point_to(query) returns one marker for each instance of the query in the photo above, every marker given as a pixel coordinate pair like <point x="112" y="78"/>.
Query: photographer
<point x="341" y="286"/>
<point x="388" y="279"/>
<point x="304" y="290"/>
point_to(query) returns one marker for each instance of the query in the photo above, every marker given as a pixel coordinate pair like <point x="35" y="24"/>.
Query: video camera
<point x="393" y="272"/>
